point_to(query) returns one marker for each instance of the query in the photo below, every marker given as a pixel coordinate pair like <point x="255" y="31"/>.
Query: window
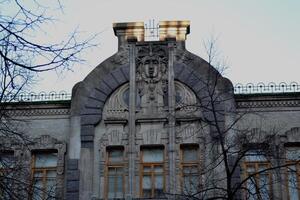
<point x="258" y="186"/>
<point x="190" y="179"/>
<point x="152" y="172"/>
<point x="7" y="163"/>
<point x="115" y="172"/>
<point x="44" y="166"/>
<point x="293" y="172"/>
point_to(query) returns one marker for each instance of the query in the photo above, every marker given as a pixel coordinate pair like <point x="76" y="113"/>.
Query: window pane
<point x="264" y="186"/>
<point x="147" y="193"/>
<point x="111" y="185"/>
<point x="191" y="184"/>
<point x="38" y="189"/>
<point x="292" y="183"/>
<point x="153" y="155"/>
<point x="158" y="169"/>
<point x="147" y="169"/>
<point x="251" y="191"/>
<point x="147" y="182"/>
<point x="255" y="156"/>
<point x="119" y="187"/>
<point x="51" y="187"/>
<point x="158" y="182"/>
<point x="115" y="155"/>
<point x="147" y="186"/>
<point x="250" y="169"/>
<point x="38" y="174"/>
<point x="190" y="154"/>
<point x="51" y="174"/>
<point x="111" y="171"/>
<point x="190" y="170"/>
<point x="158" y="186"/>
<point x="45" y="160"/>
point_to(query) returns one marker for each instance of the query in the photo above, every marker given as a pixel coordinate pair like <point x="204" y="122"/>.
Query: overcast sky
<point x="260" y="39"/>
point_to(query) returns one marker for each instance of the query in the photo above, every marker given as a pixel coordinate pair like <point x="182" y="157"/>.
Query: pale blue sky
<point x="259" y="38"/>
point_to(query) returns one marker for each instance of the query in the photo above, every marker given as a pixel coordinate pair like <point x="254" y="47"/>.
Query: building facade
<point x="154" y="121"/>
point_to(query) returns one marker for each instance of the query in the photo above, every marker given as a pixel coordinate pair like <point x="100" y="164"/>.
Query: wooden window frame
<point x="256" y="165"/>
<point x="114" y="166"/>
<point x="295" y="163"/>
<point x="152" y="173"/>
<point x="44" y="171"/>
<point x="188" y="164"/>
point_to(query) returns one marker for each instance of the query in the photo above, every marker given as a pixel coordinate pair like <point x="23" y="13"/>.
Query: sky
<point x="259" y="39"/>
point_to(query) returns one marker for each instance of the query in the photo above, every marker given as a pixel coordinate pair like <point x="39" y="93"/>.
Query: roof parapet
<point x="129" y="30"/>
<point x="174" y="29"/>
<point x="136" y="31"/>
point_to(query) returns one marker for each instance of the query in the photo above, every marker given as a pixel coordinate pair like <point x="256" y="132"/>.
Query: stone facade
<point x="150" y="95"/>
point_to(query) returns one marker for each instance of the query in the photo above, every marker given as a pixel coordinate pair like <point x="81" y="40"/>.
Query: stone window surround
<point x="46" y="143"/>
<point x="22" y="153"/>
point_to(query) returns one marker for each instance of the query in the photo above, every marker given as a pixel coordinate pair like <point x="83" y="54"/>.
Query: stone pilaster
<point x="132" y="108"/>
<point x="171" y="125"/>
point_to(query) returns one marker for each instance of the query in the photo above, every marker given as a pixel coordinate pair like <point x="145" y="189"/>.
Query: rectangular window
<point x="115" y="172"/>
<point x="7" y="163"/>
<point x="190" y="179"/>
<point x="258" y="185"/>
<point x="152" y="172"/>
<point x="44" y="167"/>
<point x="293" y="172"/>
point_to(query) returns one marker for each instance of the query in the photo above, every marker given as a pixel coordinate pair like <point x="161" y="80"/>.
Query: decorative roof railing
<point x="35" y="97"/>
<point x="248" y="88"/>
<point x="261" y="88"/>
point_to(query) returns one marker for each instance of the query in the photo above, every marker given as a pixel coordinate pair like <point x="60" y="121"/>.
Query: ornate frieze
<point x="39" y="112"/>
<point x="268" y="104"/>
<point x="152" y="136"/>
<point x="115" y="137"/>
<point x="187" y="133"/>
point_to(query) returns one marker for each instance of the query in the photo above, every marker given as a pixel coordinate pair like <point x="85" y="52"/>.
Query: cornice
<point x="267" y="101"/>
<point x="38" y="109"/>
<point x="267" y="104"/>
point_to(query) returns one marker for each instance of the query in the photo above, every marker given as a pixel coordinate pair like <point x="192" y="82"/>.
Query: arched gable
<point x="89" y="96"/>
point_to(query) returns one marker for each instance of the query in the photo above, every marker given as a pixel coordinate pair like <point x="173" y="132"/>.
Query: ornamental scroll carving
<point x="117" y="104"/>
<point x="151" y="77"/>
<point x="186" y="101"/>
